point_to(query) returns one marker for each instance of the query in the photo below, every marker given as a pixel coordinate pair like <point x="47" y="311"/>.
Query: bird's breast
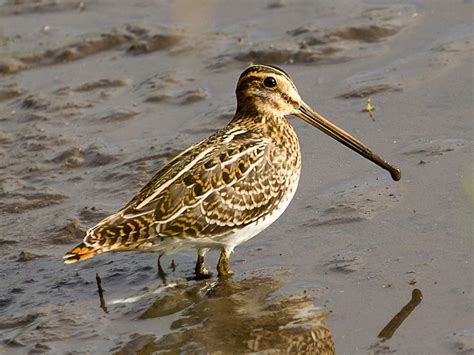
<point x="285" y="152"/>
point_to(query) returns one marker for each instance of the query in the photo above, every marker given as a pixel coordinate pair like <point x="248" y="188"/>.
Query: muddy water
<point x="95" y="96"/>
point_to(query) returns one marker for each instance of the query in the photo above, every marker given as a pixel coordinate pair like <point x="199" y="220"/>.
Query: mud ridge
<point x="139" y="41"/>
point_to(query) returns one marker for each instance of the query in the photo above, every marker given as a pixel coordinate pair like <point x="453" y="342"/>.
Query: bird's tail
<point x="80" y="252"/>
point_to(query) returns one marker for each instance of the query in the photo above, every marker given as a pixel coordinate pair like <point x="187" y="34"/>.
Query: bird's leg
<point x="201" y="271"/>
<point x="161" y="272"/>
<point x="223" y="266"/>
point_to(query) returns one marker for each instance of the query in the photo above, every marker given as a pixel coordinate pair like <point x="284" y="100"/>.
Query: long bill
<point x="315" y="119"/>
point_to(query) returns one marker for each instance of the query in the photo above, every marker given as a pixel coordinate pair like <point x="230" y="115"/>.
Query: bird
<point x="227" y="188"/>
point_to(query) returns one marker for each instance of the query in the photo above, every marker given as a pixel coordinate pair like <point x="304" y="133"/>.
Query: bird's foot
<point x="201" y="270"/>
<point x="203" y="273"/>
<point x="223" y="266"/>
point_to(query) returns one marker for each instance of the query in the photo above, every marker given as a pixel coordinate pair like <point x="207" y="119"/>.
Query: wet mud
<point x="96" y="96"/>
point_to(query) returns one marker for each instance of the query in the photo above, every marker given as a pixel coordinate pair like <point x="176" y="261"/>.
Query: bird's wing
<point x="222" y="182"/>
<point x="236" y="204"/>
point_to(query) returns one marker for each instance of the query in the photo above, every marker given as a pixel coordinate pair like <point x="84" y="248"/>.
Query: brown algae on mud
<point x="19" y="203"/>
<point x="368" y="91"/>
<point x="18" y="8"/>
<point x="9" y="93"/>
<point x="366" y="34"/>
<point x="314" y="45"/>
<point x="139" y="40"/>
<point x="101" y="84"/>
<point x="172" y="88"/>
<point x="241" y="316"/>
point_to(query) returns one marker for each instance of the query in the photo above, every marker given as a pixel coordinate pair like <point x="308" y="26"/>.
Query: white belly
<point x="250" y="231"/>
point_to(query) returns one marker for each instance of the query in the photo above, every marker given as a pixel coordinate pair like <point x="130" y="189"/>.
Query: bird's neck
<point x="275" y="128"/>
<point x="265" y="123"/>
<point x="257" y="106"/>
<point x="256" y="120"/>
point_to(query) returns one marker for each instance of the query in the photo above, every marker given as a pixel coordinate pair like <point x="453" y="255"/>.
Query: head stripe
<point x="264" y="68"/>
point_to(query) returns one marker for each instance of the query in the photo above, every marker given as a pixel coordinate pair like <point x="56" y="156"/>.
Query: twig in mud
<point x="161" y="272"/>
<point x="398" y="319"/>
<point x="101" y="293"/>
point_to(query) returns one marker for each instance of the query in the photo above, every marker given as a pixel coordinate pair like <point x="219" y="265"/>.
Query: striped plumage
<point x="223" y="190"/>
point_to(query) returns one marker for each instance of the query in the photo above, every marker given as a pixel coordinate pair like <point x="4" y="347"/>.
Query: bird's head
<point x="268" y="90"/>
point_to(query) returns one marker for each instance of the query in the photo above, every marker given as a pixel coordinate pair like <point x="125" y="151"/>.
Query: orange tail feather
<point x="79" y="253"/>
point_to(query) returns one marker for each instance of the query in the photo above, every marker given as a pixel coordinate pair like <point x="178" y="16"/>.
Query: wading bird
<point x="229" y="187"/>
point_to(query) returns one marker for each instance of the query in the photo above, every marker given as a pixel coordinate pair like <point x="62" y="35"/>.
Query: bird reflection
<point x="225" y="315"/>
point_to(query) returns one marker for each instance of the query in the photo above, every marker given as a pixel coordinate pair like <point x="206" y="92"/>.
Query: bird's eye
<point x="270" y="82"/>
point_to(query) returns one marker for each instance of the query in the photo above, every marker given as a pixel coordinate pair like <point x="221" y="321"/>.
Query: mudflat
<point x="96" y="96"/>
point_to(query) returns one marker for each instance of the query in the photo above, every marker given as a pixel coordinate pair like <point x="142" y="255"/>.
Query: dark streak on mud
<point x="7" y="94"/>
<point x="20" y="203"/>
<point x="92" y="156"/>
<point x="17" y="8"/>
<point x="28" y="256"/>
<point x="154" y="43"/>
<point x="366" y="91"/>
<point x="368" y="34"/>
<point x="291" y="56"/>
<point x="72" y="232"/>
<point x="184" y="98"/>
<point x="101" y="84"/>
<point x="142" y="41"/>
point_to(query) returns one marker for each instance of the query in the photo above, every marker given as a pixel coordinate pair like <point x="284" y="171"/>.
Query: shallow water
<point x="95" y="96"/>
